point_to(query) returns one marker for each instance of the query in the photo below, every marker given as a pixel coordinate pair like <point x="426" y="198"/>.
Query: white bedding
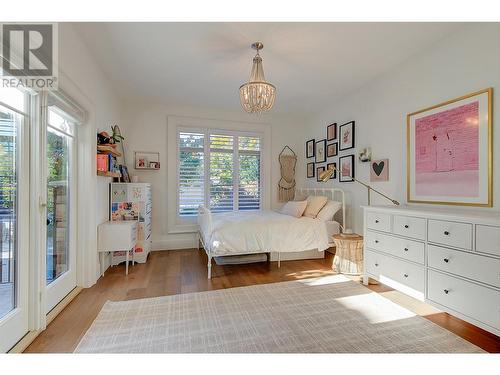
<point x="264" y="231"/>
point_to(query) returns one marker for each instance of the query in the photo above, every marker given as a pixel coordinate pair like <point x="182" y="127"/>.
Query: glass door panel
<point x="60" y="243"/>
<point x="13" y="220"/>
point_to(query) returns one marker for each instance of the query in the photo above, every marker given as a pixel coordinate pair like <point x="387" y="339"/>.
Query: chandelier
<point x="257" y="95"/>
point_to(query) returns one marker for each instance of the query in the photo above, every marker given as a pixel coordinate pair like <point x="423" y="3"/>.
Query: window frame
<point x="176" y="224"/>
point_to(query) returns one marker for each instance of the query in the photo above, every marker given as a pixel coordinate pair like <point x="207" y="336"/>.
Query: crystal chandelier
<point x="257" y="95"/>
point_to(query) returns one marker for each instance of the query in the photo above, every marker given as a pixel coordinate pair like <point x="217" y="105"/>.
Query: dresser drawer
<point x="378" y="221"/>
<point x="475" y="301"/>
<point x="488" y="239"/>
<point x="408" y="226"/>
<point x="471" y="266"/>
<point x="387" y="269"/>
<point x="451" y="233"/>
<point x="400" y="247"/>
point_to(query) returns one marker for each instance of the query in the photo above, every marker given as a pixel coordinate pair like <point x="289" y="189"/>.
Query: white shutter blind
<point x="191" y="173"/>
<point x="249" y="194"/>
<point x="221" y="173"/>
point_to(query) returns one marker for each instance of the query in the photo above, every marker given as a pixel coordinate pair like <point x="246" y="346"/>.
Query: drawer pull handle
<point x="446" y="233"/>
<point x="376" y="264"/>
<point x="446" y="291"/>
<point x="376" y="241"/>
<point x="446" y="260"/>
<point x="405" y="249"/>
<point x="406" y="226"/>
<point x="376" y="221"/>
<point x="405" y="275"/>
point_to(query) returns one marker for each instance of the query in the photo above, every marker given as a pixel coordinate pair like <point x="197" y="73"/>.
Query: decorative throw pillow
<point x="314" y="205"/>
<point x="329" y="210"/>
<point x="295" y="209"/>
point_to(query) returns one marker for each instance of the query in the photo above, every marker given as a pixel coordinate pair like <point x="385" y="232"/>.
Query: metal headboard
<point x="327" y="192"/>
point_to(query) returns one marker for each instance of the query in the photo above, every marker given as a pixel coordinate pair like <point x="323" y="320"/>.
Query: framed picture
<point x="346" y="139"/>
<point x="379" y="170"/>
<point x="346" y="169"/>
<point x="143" y="159"/>
<point x="310" y="170"/>
<point x="331" y="132"/>
<point x="321" y="151"/>
<point x="334" y="167"/>
<point x="450" y="152"/>
<point x="319" y="170"/>
<point x="332" y="150"/>
<point x="310" y="148"/>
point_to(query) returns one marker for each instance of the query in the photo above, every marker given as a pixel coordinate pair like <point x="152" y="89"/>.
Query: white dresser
<point x="132" y="201"/>
<point x="449" y="258"/>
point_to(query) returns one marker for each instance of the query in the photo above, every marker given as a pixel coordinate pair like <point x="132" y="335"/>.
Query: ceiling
<point x="203" y="64"/>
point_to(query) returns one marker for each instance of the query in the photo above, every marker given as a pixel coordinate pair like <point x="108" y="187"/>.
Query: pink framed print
<point x="450" y="151"/>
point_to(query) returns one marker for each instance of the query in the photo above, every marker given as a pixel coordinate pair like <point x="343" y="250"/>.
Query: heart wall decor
<point x="379" y="170"/>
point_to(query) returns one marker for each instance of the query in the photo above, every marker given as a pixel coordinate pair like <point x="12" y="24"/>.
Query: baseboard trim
<point x="176" y="244"/>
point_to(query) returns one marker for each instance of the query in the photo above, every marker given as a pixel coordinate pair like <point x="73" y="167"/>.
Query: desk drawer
<point x="451" y="233"/>
<point x="470" y="299"/>
<point x="414" y="227"/>
<point x="378" y="221"/>
<point x="471" y="266"/>
<point x="400" y="247"/>
<point x="386" y="268"/>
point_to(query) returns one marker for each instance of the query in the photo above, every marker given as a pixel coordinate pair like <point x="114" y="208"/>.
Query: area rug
<point x="324" y="315"/>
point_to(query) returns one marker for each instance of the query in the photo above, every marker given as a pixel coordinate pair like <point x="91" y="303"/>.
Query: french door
<point x="60" y="206"/>
<point x="14" y="216"/>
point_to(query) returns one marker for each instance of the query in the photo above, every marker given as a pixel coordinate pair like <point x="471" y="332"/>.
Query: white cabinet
<point x="132" y="201"/>
<point x="449" y="258"/>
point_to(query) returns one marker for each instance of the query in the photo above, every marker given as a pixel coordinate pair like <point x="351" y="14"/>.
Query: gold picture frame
<point x="485" y="198"/>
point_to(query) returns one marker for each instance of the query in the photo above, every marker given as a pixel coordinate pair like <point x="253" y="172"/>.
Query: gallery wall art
<point x="379" y="170"/>
<point x="346" y="136"/>
<point x="450" y="151"/>
<point x="346" y="168"/>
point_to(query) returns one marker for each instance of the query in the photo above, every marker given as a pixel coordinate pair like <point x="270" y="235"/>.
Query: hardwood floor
<point x="184" y="271"/>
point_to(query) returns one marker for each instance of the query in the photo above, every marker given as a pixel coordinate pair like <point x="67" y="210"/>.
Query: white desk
<point x="116" y="236"/>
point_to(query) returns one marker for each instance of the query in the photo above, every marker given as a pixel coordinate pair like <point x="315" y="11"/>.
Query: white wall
<point x="465" y="62"/>
<point x="81" y="77"/>
<point x="145" y="129"/>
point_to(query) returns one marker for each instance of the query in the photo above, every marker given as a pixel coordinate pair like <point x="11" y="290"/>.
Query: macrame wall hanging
<point x="286" y="184"/>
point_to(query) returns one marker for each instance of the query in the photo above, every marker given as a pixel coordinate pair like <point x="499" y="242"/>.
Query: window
<point x="219" y="169"/>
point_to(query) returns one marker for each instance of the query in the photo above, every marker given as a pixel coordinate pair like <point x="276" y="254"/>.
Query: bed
<point x="267" y="231"/>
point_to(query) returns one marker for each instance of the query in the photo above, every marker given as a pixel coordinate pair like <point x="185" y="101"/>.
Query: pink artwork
<point x="379" y="170"/>
<point x="447" y="152"/>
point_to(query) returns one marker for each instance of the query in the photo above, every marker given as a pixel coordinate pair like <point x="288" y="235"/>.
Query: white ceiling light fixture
<point x="257" y="95"/>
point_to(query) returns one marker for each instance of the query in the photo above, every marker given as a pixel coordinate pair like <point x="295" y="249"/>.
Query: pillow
<point x="293" y="208"/>
<point x="314" y="205"/>
<point x="329" y="210"/>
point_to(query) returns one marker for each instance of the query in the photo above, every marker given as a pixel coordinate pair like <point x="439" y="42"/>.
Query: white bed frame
<point x="205" y="220"/>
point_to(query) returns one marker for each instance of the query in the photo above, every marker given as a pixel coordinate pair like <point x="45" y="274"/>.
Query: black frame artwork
<point x="346" y="178"/>
<point x="323" y="141"/>
<point x="334" y="175"/>
<point x="313" y="148"/>
<point x="350" y="124"/>
<point x="334" y="125"/>
<point x="307" y="170"/>
<point x="319" y="170"/>
<point x="336" y="146"/>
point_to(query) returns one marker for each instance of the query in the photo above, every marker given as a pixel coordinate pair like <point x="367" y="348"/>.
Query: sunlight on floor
<point x="310" y="273"/>
<point x="375" y="309"/>
<point x="331" y="279"/>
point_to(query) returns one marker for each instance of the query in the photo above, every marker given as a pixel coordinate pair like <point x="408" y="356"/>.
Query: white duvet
<point x="264" y="231"/>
